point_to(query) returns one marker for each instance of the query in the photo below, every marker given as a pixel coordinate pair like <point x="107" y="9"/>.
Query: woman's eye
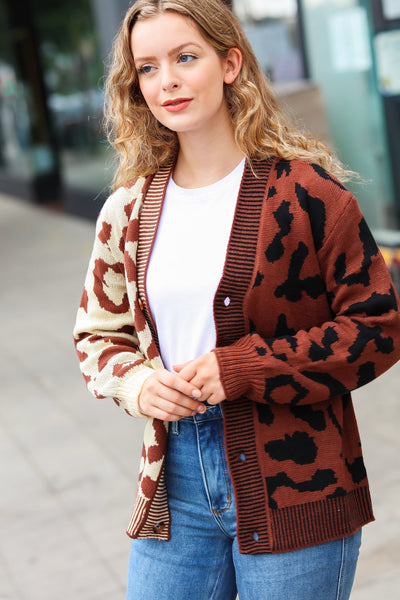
<point x="145" y="70"/>
<point x="186" y="58"/>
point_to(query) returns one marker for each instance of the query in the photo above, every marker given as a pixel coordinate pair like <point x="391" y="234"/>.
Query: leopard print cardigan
<point x="305" y="312"/>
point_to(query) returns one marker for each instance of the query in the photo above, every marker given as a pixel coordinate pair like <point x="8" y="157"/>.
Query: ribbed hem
<point x="305" y="525"/>
<point x="130" y="388"/>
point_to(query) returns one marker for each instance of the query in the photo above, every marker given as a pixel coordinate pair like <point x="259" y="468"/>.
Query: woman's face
<point x="180" y="74"/>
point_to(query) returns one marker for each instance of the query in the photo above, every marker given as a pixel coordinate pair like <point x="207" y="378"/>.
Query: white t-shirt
<point x="186" y="265"/>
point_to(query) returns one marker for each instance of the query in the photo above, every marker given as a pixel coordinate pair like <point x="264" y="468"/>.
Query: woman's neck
<point x="205" y="159"/>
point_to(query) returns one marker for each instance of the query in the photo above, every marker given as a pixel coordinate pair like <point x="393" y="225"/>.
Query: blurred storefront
<point x="332" y="61"/>
<point x="353" y="50"/>
<point x="52" y="147"/>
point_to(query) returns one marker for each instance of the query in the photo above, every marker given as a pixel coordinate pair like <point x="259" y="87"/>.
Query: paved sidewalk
<point x="69" y="462"/>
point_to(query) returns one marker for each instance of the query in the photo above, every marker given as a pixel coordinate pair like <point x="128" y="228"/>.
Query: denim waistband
<point x="212" y="412"/>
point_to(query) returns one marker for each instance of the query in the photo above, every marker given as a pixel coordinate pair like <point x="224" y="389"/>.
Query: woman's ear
<point x="233" y="64"/>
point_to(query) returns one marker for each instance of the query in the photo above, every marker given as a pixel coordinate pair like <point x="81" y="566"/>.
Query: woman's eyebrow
<point x="170" y="53"/>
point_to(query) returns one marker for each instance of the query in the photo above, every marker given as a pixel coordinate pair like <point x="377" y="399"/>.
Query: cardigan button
<point x="140" y="304"/>
<point x="255" y="536"/>
<point x="242" y="457"/>
<point x="227" y="301"/>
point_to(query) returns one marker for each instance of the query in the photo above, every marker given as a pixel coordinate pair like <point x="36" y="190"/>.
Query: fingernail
<point x="201" y="408"/>
<point x="196" y="393"/>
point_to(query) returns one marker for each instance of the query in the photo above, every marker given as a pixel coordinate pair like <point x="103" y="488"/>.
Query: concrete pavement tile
<point x="42" y="395"/>
<point x="378" y="412"/>
<point x="42" y="534"/>
<point x="383" y="468"/>
<point x="379" y="558"/>
<point x="20" y="484"/>
<point x="70" y="477"/>
<point x="70" y="447"/>
<point x="45" y="539"/>
<point x="51" y="558"/>
<point x="61" y="388"/>
<point x="383" y="588"/>
<point x="9" y="589"/>
<point x="68" y="463"/>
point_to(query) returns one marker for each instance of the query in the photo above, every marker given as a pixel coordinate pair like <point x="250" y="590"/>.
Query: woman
<point x="234" y="298"/>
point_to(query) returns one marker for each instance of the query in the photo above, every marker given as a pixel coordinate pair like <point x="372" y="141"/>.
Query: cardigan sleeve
<point x="106" y="340"/>
<point x="358" y="342"/>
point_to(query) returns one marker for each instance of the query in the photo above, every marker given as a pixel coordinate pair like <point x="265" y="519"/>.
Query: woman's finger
<point x="179" y="383"/>
<point x="166" y="395"/>
<point x="187" y="371"/>
<point x="162" y="380"/>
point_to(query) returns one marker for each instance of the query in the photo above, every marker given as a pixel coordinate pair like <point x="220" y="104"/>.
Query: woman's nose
<point x="169" y="81"/>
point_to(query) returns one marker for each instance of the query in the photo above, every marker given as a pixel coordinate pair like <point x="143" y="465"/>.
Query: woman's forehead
<point x="162" y="31"/>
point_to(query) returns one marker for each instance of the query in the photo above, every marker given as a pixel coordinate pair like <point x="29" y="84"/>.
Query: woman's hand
<point x="167" y="396"/>
<point x="203" y="373"/>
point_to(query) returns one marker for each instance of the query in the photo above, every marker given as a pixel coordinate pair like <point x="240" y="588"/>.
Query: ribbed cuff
<point x="130" y="388"/>
<point x="241" y="371"/>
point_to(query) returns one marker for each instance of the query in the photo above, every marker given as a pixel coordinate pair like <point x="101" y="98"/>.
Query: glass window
<point x="73" y="72"/>
<point x="272" y="28"/>
<point x="15" y="126"/>
<point x="338" y="36"/>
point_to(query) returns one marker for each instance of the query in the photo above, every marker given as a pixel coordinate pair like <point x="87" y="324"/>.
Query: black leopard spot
<point x="335" y="387"/>
<point x="265" y="414"/>
<point x="346" y="400"/>
<point x="366" y="335"/>
<point x="284" y="218"/>
<point x="325" y="175"/>
<point x="338" y="493"/>
<point x="334" y="420"/>
<point x="283" y="357"/>
<point x="299" y="447"/>
<point x="258" y="279"/>
<point x="357" y="469"/>
<point x="366" y="373"/>
<point x="283" y="329"/>
<point x="321" y="479"/>
<point x="314" y="418"/>
<point x="315" y="209"/>
<point x="362" y="275"/>
<point x="294" y="287"/>
<point x="261" y="351"/>
<point x="317" y="352"/>
<point x="375" y="305"/>
<point x="283" y="166"/>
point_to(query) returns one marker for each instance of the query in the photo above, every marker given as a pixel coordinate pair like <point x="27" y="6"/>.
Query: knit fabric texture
<point x="305" y="312"/>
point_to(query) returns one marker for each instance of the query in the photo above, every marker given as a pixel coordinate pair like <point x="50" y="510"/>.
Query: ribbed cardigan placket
<point x="231" y="324"/>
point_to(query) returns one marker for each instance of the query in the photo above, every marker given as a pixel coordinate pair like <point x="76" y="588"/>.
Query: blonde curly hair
<point x="262" y="129"/>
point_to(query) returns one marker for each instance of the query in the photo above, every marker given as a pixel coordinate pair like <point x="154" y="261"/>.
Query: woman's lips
<point x="176" y="105"/>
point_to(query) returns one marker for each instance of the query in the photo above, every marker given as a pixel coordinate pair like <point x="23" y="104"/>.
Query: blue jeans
<point x="202" y="561"/>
